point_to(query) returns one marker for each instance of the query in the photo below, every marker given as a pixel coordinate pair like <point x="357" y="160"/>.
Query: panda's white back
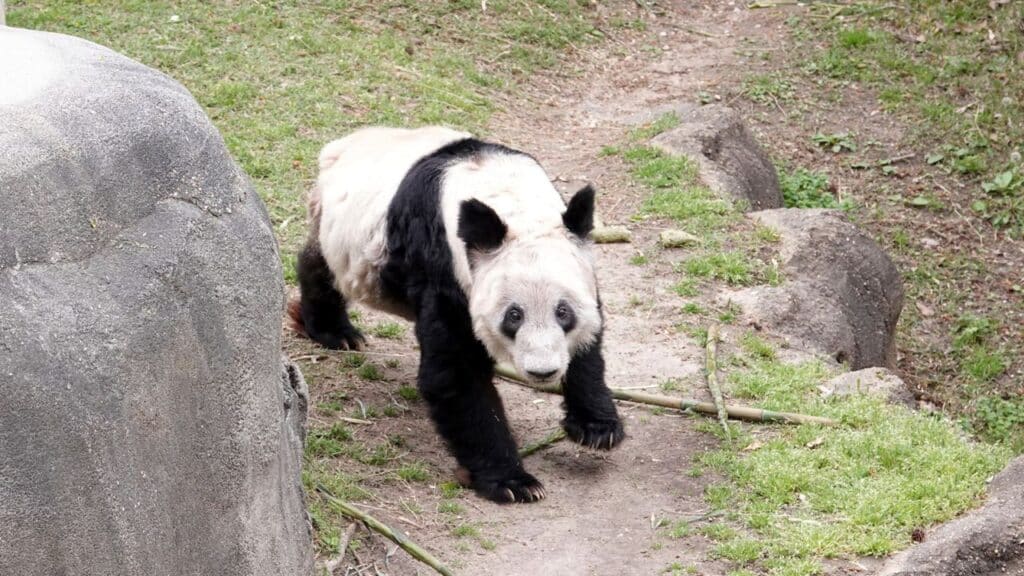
<point x="359" y="175"/>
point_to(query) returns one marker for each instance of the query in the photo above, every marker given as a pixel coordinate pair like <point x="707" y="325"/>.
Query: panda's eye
<point x="512" y="321"/>
<point x="565" y="316"/>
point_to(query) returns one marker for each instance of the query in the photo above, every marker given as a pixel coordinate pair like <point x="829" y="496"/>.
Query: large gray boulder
<point x="731" y="161"/>
<point x="148" y="424"/>
<point x="841" y="294"/>
<point x="986" y="541"/>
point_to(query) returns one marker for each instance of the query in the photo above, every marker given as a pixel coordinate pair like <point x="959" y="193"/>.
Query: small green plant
<point x="389" y="330"/>
<point x="756" y="347"/>
<point x="1000" y="419"/>
<point x="802" y="188"/>
<point x="670" y="385"/>
<point x="693" y="308"/>
<point x="768" y="88"/>
<point x="465" y="530"/>
<point x="408" y="393"/>
<point x="740" y="550"/>
<point x="450" y="490"/>
<point x="663" y="123"/>
<point x="353" y="360"/>
<point x="413" y="473"/>
<point x="686" y="288"/>
<point x="449" y="507"/>
<point x="734" y="268"/>
<point x="369" y="371"/>
<point x="836" y="143"/>
<point x="639" y="260"/>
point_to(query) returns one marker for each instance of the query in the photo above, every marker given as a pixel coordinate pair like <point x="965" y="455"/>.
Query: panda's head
<point x="534" y="300"/>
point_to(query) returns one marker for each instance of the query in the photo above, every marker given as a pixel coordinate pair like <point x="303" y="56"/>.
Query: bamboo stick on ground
<point x="545" y="442"/>
<point x="735" y="412"/>
<point x="711" y="373"/>
<point x="396" y="536"/>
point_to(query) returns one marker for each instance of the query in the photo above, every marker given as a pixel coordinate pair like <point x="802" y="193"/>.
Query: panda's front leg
<point x="456" y="378"/>
<point x="590" y="415"/>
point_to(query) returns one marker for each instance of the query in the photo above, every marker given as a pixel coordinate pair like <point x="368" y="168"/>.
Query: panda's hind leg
<point x="322" y="312"/>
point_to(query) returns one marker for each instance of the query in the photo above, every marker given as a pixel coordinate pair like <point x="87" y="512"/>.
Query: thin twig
<point x="711" y="373"/>
<point x="332" y="564"/>
<point x="735" y="412"/>
<point x="539" y="445"/>
<point x="388" y="532"/>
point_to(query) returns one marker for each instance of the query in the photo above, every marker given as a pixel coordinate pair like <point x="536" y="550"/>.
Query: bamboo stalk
<point x="557" y="435"/>
<point x="388" y="532"/>
<point x="611" y="234"/>
<point x="711" y="374"/>
<point x="735" y="412"/>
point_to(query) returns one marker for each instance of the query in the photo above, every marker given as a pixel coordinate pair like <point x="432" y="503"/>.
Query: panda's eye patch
<point x="565" y="316"/>
<point x="512" y="321"/>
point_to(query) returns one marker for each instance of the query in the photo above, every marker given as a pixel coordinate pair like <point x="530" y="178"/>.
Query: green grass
<point x="389" y="330"/>
<point x="957" y="82"/>
<point x="413" y="472"/>
<point x="370" y="371"/>
<point x="733" y="268"/>
<point x="282" y="79"/>
<point x="860" y="490"/>
<point x="677" y="192"/>
<point x="663" y="123"/>
<point x="768" y="88"/>
<point x="802" y="188"/>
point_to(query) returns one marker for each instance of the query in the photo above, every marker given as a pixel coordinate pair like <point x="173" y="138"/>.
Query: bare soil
<point x="602" y="509"/>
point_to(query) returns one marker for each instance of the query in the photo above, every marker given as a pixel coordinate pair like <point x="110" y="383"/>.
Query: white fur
<point x="359" y="175"/>
<point x="538" y="265"/>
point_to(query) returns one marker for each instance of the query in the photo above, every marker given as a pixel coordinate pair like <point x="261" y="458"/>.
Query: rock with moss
<point x="148" y="423"/>
<point x="989" y="540"/>
<point x="841" y="294"/>
<point x="731" y="161"/>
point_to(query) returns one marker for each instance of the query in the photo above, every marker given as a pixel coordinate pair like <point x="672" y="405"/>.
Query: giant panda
<point x="469" y="240"/>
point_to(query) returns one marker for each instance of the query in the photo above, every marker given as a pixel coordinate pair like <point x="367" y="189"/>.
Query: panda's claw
<point x="598" y="435"/>
<point x="517" y="486"/>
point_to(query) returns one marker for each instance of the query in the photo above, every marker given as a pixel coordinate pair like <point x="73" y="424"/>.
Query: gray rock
<point x="841" y="293"/>
<point x="731" y="161"/>
<point x="148" y="425"/>
<point x="989" y="540"/>
<point x="873" y="381"/>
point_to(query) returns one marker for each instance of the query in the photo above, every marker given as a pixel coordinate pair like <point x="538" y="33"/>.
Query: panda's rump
<point x="359" y="176"/>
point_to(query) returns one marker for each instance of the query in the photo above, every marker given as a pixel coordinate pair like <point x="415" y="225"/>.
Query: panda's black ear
<point x="579" y="216"/>
<point x="480" y="227"/>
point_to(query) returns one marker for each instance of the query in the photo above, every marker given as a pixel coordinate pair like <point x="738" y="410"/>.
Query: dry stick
<point x="332" y="564"/>
<point x="388" y="532"/>
<point x="711" y="373"/>
<point x="737" y="412"/>
<point x="539" y="445"/>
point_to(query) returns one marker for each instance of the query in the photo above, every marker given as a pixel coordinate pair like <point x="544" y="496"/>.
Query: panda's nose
<point x="541" y="375"/>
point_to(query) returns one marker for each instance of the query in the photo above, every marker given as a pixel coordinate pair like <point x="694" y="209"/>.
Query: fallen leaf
<point x="815" y="443"/>
<point x="924" y="309"/>
<point x="753" y="446"/>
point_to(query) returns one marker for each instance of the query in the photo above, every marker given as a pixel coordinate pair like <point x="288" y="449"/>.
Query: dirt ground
<point x="602" y="509"/>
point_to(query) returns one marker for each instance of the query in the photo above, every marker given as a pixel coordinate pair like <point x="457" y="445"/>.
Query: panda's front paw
<point x="512" y="486"/>
<point x="602" y="434"/>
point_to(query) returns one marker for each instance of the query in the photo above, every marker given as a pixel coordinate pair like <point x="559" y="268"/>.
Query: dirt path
<point x="602" y="512"/>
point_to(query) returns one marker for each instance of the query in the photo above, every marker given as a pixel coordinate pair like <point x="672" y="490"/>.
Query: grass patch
<point x="734" y="268"/>
<point x="370" y="371"/>
<point x="809" y="493"/>
<point x="802" y="188"/>
<point x="389" y="330"/>
<point x="663" y="123"/>
<point x="677" y="191"/>
<point x="958" y="81"/>
<point x="281" y="79"/>
<point x="414" y="472"/>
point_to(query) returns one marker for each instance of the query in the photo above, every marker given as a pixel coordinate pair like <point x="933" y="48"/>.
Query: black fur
<point x="579" y="216"/>
<point x="480" y="227"/>
<point x="590" y="415"/>
<point x="324" y="314"/>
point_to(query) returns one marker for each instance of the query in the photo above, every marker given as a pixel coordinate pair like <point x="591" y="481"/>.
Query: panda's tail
<point x="294" y="320"/>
